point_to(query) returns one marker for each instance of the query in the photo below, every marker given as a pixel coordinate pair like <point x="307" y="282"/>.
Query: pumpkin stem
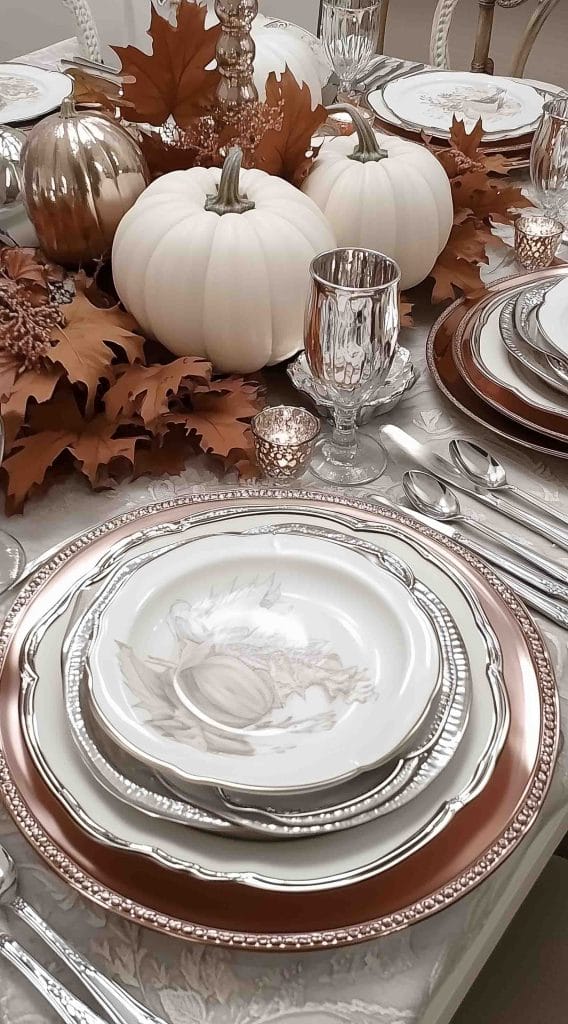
<point x="367" y="149"/>
<point x="67" y="106"/>
<point x="228" y="199"/>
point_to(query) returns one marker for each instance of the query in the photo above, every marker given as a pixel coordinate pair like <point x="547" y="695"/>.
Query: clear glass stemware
<point x="12" y="555"/>
<point x="549" y="156"/>
<point x="350" y="32"/>
<point x="351" y="332"/>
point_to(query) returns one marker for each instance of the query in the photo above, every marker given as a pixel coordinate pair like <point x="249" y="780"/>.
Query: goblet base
<point x="12" y="560"/>
<point x="349" y="467"/>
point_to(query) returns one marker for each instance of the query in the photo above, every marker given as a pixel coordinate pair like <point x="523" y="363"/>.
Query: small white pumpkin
<point x="384" y="193"/>
<point x="216" y="264"/>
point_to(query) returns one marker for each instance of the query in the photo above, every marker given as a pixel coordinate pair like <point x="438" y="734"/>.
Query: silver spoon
<point x="431" y="497"/>
<point x="484" y="469"/>
<point x="120" y="1007"/>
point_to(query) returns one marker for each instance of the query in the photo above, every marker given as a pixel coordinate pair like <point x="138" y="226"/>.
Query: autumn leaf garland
<point x="95" y="402"/>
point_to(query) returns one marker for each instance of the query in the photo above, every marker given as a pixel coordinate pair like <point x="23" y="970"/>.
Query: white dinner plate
<point x="325" y="861"/>
<point x="528" y="356"/>
<point x="552" y="317"/>
<point x="491" y="355"/>
<point x="261" y="663"/>
<point x="432" y="99"/>
<point x="27" y="92"/>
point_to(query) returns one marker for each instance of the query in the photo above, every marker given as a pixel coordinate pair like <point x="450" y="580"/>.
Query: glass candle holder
<point x="537" y="238"/>
<point x="284" y="438"/>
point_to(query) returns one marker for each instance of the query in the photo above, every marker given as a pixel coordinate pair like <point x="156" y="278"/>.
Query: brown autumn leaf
<point x="165" y="456"/>
<point x="58" y="427"/>
<point x="82" y="347"/>
<point x="405" y="311"/>
<point x="450" y="273"/>
<point x="20" y="264"/>
<point x="219" y="421"/>
<point x="147" y="390"/>
<point x="31" y="385"/>
<point x="283" y="152"/>
<point x="172" y="80"/>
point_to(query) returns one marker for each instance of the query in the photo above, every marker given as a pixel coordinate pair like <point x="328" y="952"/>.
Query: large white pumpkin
<point x="384" y="193"/>
<point x="216" y="264"/>
<point x="281" y="45"/>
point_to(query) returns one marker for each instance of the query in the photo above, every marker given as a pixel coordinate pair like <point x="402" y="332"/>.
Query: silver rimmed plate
<point x="526" y="324"/>
<point x="319" y="863"/>
<point x="27" y="92"/>
<point x="244" y="666"/>
<point x="428" y="101"/>
<point x="530" y="357"/>
<point x="362" y="799"/>
<point x="552" y="318"/>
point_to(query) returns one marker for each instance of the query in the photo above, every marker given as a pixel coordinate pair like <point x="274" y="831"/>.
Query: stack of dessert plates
<point x="426" y="102"/>
<point x="273" y="719"/>
<point x="504" y="358"/>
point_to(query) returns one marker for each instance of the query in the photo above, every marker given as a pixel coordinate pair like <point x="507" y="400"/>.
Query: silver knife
<point x="512" y="572"/>
<point x="422" y="457"/>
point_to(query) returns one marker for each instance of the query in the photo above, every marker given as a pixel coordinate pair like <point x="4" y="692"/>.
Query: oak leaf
<point x="58" y="427"/>
<point x="450" y="273"/>
<point x="172" y="81"/>
<point x="82" y="347"/>
<point x="219" y="421"/>
<point x="147" y="390"/>
<point x="20" y="264"/>
<point x="284" y="151"/>
<point x="31" y="385"/>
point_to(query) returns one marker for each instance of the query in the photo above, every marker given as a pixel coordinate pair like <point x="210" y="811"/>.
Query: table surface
<point x="421" y="974"/>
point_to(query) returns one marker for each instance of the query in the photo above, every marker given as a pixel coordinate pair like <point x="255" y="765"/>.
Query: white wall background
<point x="26" y="25"/>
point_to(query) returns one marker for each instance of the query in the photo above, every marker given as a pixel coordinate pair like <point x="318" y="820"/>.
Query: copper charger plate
<point x="497" y="394"/>
<point x="442" y="363"/>
<point x="475" y="843"/>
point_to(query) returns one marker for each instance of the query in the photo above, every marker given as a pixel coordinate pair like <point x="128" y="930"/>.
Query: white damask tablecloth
<point x="419" y="975"/>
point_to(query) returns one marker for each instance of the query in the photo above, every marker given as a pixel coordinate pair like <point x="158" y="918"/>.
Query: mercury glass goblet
<point x="351" y="331"/>
<point x="549" y="156"/>
<point x="350" y="32"/>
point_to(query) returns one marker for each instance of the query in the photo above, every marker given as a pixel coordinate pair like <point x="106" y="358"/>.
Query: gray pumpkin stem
<point x="228" y="198"/>
<point x="367" y="149"/>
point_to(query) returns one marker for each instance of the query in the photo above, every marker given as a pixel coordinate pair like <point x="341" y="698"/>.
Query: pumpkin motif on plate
<point x="384" y="193"/>
<point x="215" y="264"/>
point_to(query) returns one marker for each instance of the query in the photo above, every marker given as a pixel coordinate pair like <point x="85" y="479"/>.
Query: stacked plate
<point x="273" y="719"/>
<point x="425" y="102"/>
<point x="28" y="93"/>
<point x="504" y="359"/>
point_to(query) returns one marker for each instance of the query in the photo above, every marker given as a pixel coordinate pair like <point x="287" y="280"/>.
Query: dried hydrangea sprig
<point x="25" y="329"/>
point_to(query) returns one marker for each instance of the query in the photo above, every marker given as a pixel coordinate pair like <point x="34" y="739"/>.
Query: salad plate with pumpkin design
<point x="243" y="666"/>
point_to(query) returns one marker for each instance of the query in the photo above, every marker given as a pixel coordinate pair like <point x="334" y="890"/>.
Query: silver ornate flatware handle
<point x="121" y="1007"/>
<point x="70" y="1009"/>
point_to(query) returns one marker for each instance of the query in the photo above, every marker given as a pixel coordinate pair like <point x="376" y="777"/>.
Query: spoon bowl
<point x="478" y="464"/>
<point x="430" y="496"/>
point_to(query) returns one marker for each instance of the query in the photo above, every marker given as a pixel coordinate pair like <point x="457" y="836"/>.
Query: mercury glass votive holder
<point x="537" y="238"/>
<point x="284" y="438"/>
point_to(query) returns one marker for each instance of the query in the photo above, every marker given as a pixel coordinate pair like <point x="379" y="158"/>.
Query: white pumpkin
<point x="384" y="193"/>
<point x="216" y="264"/>
<point x="279" y="45"/>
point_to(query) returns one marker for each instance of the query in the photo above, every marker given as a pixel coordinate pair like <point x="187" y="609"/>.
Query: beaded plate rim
<point x="442" y="897"/>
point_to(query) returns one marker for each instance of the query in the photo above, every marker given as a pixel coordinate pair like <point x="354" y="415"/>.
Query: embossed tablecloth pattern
<point x="403" y="978"/>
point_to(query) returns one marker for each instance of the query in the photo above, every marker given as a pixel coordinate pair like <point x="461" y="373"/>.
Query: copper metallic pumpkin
<point x="82" y="172"/>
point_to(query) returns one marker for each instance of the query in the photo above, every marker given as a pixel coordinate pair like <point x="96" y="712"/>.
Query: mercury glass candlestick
<point x="537" y="238"/>
<point x="284" y="437"/>
<point x="235" y="52"/>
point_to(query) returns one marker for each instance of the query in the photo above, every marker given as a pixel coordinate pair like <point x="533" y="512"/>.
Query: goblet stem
<point x="344" y="437"/>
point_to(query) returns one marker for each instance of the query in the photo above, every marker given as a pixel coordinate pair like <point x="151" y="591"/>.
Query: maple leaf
<point x="217" y="420"/>
<point x="172" y="80"/>
<point x="82" y="347"/>
<point x="467" y="143"/>
<point x="283" y="152"/>
<point x="146" y="390"/>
